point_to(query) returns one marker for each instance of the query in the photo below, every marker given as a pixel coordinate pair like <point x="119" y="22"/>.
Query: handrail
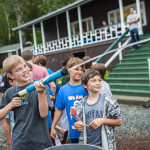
<point x="117" y="52"/>
<point x="112" y="46"/>
<point x="149" y="70"/>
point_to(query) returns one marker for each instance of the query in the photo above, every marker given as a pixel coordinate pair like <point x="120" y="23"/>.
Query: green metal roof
<point x="9" y="48"/>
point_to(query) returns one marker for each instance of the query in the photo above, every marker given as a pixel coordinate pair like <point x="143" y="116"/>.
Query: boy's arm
<point x="43" y="105"/>
<point x="99" y="121"/>
<point x="16" y="102"/>
<point x="133" y="21"/>
<point x="7" y="131"/>
<point x="53" y="87"/>
<point x="57" y="115"/>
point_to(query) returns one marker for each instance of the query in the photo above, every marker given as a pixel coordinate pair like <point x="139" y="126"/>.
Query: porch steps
<point x="130" y="78"/>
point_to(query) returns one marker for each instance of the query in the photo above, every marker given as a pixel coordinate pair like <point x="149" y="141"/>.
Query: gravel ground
<point x="3" y="142"/>
<point x="134" y="134"/>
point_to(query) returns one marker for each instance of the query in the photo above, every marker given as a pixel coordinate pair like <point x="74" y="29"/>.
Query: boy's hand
<point x="53" y="134"/>
<point x="16" y="102"/>
<point x="96" y="123"/>
<point x="79" y="125"/>
<point x="40" y="87"/>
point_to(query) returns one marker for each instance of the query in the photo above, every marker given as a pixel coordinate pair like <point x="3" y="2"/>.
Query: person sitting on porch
<point x="132" y="20"/>
<point x="105" y="25"/>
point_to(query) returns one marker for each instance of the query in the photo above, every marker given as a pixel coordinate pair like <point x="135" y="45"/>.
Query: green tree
<point x="14" y="13"/>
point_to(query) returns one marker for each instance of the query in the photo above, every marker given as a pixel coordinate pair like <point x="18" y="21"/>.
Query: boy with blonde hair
<point x="68" y="94"/>
<point x="31" y="122"/>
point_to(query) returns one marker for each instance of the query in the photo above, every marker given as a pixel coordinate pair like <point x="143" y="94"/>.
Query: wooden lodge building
<point x="76" y="29"/>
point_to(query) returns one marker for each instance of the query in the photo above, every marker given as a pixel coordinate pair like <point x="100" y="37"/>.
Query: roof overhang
<point x="52" y="14"/>
<point x="9" y="48"/>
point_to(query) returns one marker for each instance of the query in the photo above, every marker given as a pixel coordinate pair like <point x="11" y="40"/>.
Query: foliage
<point x="16" y="12"/>
<point x="106" y="74"/>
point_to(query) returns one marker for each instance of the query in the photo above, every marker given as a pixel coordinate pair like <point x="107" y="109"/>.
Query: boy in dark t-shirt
<point x="31" y="122"/>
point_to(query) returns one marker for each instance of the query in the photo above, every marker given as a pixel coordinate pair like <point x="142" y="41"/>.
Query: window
<point x="114" y="15"/>
<point x="87" y="25"/>
<point x="80" y="54"/>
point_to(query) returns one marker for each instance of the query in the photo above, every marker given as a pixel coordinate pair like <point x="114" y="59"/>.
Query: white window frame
<point x="83" y="20"/>
<point x="127" y="7"/>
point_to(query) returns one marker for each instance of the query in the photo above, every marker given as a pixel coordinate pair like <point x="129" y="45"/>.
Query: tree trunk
<point x="8" y="24"/>
<point x="19" y="16"/>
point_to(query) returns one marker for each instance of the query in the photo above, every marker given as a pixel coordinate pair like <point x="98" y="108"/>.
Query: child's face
<point x="94" y="84"/>
<point x="20" y="73"/>
<point x="76" y="73"/>
<point x="30" y="73"/>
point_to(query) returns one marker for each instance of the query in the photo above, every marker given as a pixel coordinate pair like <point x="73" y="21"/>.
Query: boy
<point x="31" y="122"/>
<point x="98" y="112"/>
<point x="68" y="94"/>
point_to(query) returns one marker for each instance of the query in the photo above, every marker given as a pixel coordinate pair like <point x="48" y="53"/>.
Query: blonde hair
<point x="11" y="62"/>
<point x="74" y="61"/>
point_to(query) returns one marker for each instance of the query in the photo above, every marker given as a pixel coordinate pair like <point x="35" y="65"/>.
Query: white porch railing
<point x="90" y="37"/>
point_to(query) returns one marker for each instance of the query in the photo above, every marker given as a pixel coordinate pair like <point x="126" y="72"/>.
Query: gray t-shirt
<point x="30" y="130"/>
<point x="132" y="17"/>
<point x="105" y="89"/>
<point x="93" y="112"/>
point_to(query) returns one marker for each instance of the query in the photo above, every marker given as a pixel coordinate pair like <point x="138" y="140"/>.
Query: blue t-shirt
<point x="66" y="97"/>
<point x="49" y="120"/>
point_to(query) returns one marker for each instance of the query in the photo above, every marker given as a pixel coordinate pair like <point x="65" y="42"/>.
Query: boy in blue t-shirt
<point x="68" y="94"/>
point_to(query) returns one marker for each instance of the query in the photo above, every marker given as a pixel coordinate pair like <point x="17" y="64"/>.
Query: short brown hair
<point x="11" y="62"/>
<point x="89" y="64"/>
<point x="74" y="61"/>
<point x="27" y="54"/>
<point x="89" y="74"/>
<point x="101" y="68"/>
<point x="40" y="59"/>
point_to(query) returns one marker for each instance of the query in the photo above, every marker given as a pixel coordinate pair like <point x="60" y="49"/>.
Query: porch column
<point x="80" y="25"/>
<point x="43" y="36"/>
<point x="58" y="35"/>
<point x="121" y="16"/>
<point x="21" y="41"/>
<point x="34" y="38"/>
<point x="139" y="15"/>
<point x="68" y="27"/>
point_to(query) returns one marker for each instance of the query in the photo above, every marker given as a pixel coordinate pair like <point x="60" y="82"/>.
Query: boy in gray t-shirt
<point x="96" y="115"/>
<point x="132" y="20"/>
<point x="31" y="122"/>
